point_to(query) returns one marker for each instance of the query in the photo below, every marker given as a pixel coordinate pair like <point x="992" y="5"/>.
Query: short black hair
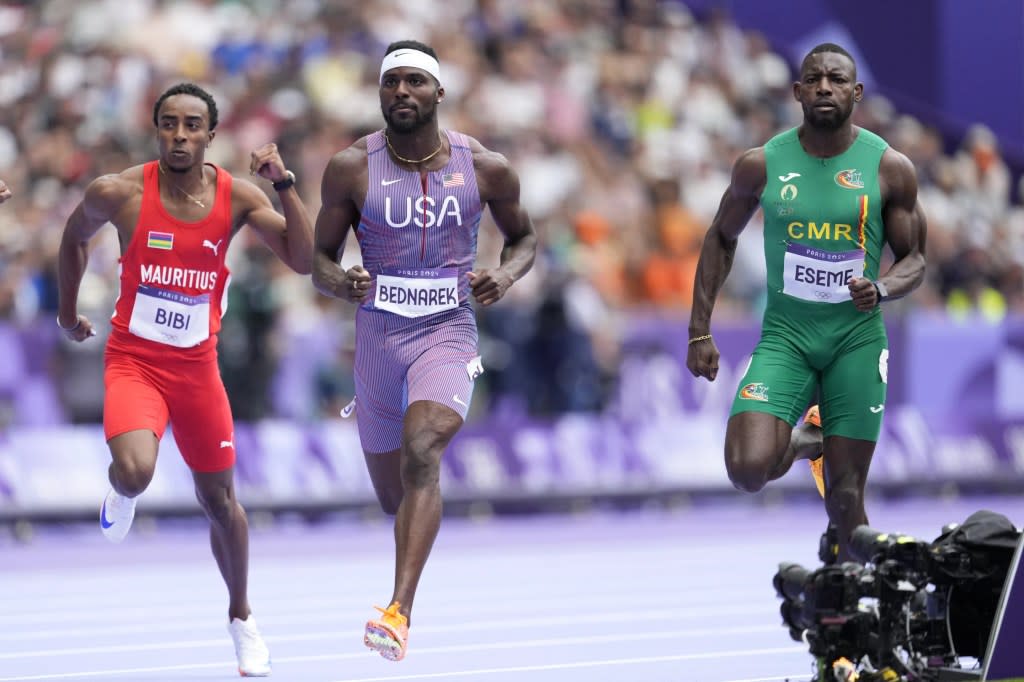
<point x="830" y="47"/>
<point x="410" y="45"/>
<point x="187" y="89"/>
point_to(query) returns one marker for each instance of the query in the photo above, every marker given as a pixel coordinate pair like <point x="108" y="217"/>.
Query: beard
<point x="409" y="124"/>
<point x="826" y="122"/>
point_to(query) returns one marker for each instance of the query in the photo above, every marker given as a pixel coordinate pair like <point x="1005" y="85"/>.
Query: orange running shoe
<point x="813" y="416"/>
<point x="389" y="634"/>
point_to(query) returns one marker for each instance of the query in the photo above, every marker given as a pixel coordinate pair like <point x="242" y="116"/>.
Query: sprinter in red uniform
<point x="175" y="218"/>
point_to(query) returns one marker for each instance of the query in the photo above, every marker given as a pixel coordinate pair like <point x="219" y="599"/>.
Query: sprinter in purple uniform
<point x="414" y="195"/>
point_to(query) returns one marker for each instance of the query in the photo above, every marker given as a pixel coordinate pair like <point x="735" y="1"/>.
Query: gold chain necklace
<point x="195" y="201"/>
<point x="428" y="157"/>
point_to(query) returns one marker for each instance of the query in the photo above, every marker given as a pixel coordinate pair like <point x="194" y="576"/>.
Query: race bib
<point x="415" y="293"/>
<point x="820" y="276"/>
<point x="170" y="317"/>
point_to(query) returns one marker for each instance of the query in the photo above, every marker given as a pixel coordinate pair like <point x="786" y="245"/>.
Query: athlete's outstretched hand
<point x="5" y="192"/>
<point x="863" y="293"/>
<point x="489" y="285"/>
<point x="266" y="162"/>
<point x="81" y="331"/>
<point x="702" y="359"/>
<point x="357" y="284"/>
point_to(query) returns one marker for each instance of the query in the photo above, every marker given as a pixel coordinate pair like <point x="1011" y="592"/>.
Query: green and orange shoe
<point x="817" y="464"/>
<point x="389" y="634"/>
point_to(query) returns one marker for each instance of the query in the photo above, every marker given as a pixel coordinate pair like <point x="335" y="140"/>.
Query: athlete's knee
<point x="746" y="472"/>
<point x="219" y="505"/>
<point x="130" y="476"/>
<point x="748" y="480"/>
<point x="421" y="467"/>
<point x="421" y="457"/>
<point x="844" y="501"/>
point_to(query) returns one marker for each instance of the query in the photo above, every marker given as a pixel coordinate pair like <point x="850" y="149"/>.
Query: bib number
<point x="415" y="293"/>
<point x="820" y="276"/>
<point x="170" y="317"/>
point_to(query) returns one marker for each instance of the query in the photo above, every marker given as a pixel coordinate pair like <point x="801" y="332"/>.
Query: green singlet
<point x="822" y="227"/>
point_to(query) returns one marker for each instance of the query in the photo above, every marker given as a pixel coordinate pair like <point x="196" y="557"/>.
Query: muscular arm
<point x="905" y="225"/>
<point x="338" y="215"/>
<point x="716" y="255"/>
<point x="103" y="198"/>
<point x="499" y="188"/>
<point x="289" y="236"/>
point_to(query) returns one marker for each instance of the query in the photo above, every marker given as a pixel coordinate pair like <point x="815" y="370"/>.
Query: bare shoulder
<point x="751" y="161"/>
<point x="108" y="193"/>
<point x="345" y="176"/>
<point x="749" y="173"/>
<point x="487" y="162"/>
<point x="496" y="179"/>
<point x="898" y="175"/>
<point x="896" y="164"/>
<point x="350" y="159"/>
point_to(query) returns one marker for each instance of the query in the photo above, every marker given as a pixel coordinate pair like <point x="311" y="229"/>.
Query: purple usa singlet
<point x="416" y="335"/>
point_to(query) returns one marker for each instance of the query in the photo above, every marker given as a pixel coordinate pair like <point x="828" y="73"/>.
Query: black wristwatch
<point x="289" y="180"/>
<point x="881" y="290"/>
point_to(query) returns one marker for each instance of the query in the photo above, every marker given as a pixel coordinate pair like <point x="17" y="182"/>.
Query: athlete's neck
<point x="190" y="183"/>
<point x="419" y="147"/>
<point x="823" y="144"/>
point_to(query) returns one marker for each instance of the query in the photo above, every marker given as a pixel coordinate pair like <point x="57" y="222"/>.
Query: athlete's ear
<point x="440" y="95"/>
<point x="209" y="140"/>
<point x="858" y="92"/>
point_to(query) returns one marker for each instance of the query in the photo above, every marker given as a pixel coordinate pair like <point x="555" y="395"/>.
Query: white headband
<point x="413" y="58"/>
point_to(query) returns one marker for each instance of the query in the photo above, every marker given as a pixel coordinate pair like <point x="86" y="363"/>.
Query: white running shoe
<point x="116" y="516"/>
<point x="253" y="655"/>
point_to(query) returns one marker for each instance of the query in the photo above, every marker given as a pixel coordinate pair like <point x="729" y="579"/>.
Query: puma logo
<point x="210" y="245"/>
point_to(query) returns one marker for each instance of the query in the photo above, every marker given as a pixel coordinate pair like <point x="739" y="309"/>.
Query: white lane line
<point x="49" y="612"/>
<point x="326" y="613"/>
<point x="556" y="621"/>
<point x="68" y="594"/>
<point x="577" y="665"/>
<point x="436" y="650"/>
<point x="780" y="678"/>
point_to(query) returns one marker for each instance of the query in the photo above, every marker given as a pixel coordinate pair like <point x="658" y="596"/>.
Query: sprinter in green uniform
<point x="833" y="195"/>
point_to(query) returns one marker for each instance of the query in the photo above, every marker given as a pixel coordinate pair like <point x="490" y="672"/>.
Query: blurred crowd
<point x="623" y="118"/>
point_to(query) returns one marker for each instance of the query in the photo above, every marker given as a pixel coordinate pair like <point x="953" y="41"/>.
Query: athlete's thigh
<point x="853" y="390"/>
<point x="778" y="381"/>
<point x="133" y="398"/>
<point x="448" y="368"/>
<point x="201" y="417"/>
<point x="379" y="371"/>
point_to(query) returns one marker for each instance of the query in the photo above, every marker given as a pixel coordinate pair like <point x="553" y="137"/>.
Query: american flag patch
<point x="161" y="240"/>
<point x="452" y="180"/>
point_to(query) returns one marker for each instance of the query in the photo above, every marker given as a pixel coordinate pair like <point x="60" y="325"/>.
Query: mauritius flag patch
<point x="161" y="240"/>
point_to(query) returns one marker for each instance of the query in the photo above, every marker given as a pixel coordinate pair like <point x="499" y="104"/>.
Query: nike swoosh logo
<point x="103" y="516"/>
<point x="788" y="176"/>
<point x="456" y="399"/>
<point x="877" y="409"/>
<point x="385" y="183"/>
<point x="227" y="444"/>
<point x="347" y="411"/>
